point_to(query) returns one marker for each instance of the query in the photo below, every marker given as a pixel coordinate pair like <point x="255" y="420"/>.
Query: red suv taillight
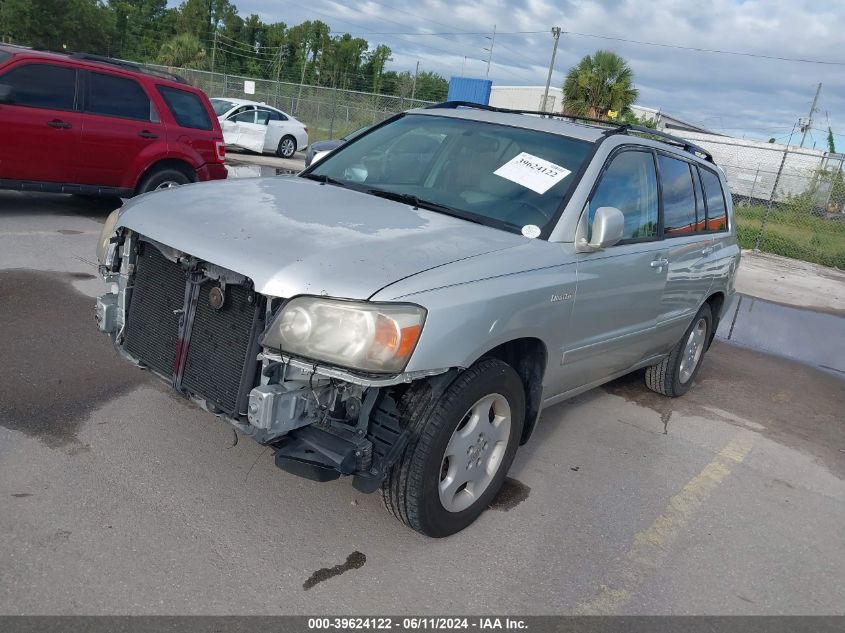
<point x="220" y="150"/>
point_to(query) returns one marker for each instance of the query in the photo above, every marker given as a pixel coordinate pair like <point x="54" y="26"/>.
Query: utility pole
<point x="490" y="50"/>
<point x="213" y="50"/>
<point x="414" y="85"/>
<point x="807" y="127"/>
<point x="556" y="35"/>
<point x="463" y="63"/>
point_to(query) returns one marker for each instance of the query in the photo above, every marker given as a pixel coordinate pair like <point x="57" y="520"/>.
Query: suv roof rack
<point x="612" y="127"/>
<point x="128" y="65"/>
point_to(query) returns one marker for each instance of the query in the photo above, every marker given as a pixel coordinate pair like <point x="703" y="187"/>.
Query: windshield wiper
<point x="419" y="203"/>
<point x="324" y="180"/>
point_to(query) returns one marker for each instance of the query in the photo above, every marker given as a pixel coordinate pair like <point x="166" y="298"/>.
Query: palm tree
<point x="183" y="51"/>
<point x="599" y="83"/>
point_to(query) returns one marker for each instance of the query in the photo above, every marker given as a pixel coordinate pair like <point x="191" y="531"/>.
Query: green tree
<point x="831" y="145"/>
<point x="183" y="51"/>
<point x="46" y="24"/>
<point x="599" y="83"/>
<point x="630" y="118"/>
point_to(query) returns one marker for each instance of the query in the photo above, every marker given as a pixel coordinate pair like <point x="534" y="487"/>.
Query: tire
<point x="412" y="490"/>
<point x="673" y="376"/>
<point x="162" y="179"/>
<point x="287" y="147"/>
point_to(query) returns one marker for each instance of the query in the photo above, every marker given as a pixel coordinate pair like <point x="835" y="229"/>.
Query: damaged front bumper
<point x="322" y="422"/>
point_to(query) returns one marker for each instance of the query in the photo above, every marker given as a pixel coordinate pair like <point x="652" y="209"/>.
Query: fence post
<point x="334" y="109"/>
<point x="754" y="185"/>
<point x="771" y="200"/>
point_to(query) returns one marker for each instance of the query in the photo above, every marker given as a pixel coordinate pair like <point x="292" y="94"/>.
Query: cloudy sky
<point x="739" y="95"/>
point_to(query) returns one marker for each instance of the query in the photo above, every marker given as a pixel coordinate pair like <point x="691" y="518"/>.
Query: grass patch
<point x="793" y="233"/>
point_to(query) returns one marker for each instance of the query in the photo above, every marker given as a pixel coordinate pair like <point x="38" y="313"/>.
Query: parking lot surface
<point x="118" y="496"/>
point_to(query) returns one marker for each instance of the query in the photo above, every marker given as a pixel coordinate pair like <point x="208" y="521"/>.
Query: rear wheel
<point x="159" y="179"/>
<point x="287" y="147"/>
<point x="673" y="376"/>
<point x="460" y="451"/>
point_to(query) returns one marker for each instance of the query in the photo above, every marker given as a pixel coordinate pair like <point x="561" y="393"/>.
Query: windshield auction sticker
<point x="532" y="172"/>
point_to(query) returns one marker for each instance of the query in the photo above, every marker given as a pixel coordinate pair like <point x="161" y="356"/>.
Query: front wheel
<point x="673" y="376"/>
<point x="160" y="179"/>
<point x="287" y="147"/>
<point x="460" y="451"/>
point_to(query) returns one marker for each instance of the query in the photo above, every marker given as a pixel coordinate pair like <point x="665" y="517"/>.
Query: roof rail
<point x="612" y="126"/>
<point x="692" y="148"/>
<point x="128" y="65"/>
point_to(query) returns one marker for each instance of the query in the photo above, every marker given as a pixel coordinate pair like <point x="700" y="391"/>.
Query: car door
<point x="618" y="293"/>
<point x="275" y="127"/>
<point x="41" y="126"/>
<point x="242" y="130"/>
<point x="121" y="130"/>
<point x="688" y="246"/>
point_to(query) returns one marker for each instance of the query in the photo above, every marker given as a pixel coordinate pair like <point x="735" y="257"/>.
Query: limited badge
<point x="216" y="298"/>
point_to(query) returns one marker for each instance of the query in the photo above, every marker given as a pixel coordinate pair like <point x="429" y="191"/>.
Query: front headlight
<point x="105" y="236"/>
<point x="371" y="337"/>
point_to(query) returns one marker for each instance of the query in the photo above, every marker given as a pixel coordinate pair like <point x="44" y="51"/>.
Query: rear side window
<point x="187" y="108"/>
<point x="630" y="185"/>
<point x="117" y="96"/>
<point x="717" y="213"/>
<point x="678" y="196"/>
<point x="42" y="86"/>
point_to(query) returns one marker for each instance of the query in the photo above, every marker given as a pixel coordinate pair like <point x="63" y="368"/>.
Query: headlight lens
<point x="105" y="236"/>
<point x="372" y="337"/>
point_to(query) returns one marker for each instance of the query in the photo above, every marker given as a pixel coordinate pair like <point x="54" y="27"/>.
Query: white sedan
<point x="258" y="127"/>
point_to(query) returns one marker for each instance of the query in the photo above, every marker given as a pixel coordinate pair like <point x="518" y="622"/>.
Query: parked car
<point x="258" y="127"/>
<point x="402" y="311"/>
<point x="76" y="123"/>
<point x="320" y="149"/>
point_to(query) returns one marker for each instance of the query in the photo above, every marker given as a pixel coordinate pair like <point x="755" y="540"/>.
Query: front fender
<point x="467" y="320"/>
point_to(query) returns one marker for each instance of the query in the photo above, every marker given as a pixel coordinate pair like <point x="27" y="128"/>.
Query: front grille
<point x="216" y="365"/>
<point x="219" y="346"/>
<point x="152" y="323"/>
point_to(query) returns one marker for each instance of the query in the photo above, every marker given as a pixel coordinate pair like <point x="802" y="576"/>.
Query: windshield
<point x="507" y="177"/>
<point x="221" y="106"/>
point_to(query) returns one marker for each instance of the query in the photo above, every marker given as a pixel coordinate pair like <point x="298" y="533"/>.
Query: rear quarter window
<point x="187" y="108"/>
<point x="717" y="214"/>
<point x="4" y="56"/>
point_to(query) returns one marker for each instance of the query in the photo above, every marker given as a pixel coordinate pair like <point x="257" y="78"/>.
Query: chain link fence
<point x="789" y="201"/>
<point x="327" y="112"/>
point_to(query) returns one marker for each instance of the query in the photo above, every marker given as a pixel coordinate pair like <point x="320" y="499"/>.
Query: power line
<point x="697" y="49"/>
<point x="709" y="50"/>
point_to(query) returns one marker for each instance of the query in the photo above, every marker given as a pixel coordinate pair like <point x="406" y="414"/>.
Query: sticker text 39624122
<point x="532" y="172"/>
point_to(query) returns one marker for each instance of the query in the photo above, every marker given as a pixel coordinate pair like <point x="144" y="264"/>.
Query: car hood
<point x="326" y="146"/>
<point x="296" y="236"/>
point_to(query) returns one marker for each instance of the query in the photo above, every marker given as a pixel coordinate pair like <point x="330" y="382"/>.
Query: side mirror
<point x="7" y="94"/>
<point x="607" y="229"/>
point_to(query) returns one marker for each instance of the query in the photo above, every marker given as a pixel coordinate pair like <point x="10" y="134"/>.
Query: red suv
<point x="97" y="126"/>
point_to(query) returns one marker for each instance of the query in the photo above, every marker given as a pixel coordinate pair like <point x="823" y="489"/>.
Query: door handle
<point x="58" y="123"/>
<point x="147" y="134"/>
<point x="707" y="250"/>
<point x="659" y="263"/>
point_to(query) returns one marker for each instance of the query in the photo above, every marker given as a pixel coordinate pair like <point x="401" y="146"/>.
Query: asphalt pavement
<point x="119" y="497"/>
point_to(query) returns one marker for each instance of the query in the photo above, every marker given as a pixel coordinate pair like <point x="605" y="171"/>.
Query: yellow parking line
<point x="651" y="546"/>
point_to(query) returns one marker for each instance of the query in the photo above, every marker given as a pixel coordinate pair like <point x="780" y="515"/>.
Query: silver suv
<point x="402" y="311"/>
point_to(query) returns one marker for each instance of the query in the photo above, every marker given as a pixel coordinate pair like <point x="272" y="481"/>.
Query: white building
<point x="526" y="98"/>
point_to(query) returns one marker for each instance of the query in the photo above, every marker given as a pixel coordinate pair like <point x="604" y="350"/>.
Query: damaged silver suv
<point x="402" y="311"/>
